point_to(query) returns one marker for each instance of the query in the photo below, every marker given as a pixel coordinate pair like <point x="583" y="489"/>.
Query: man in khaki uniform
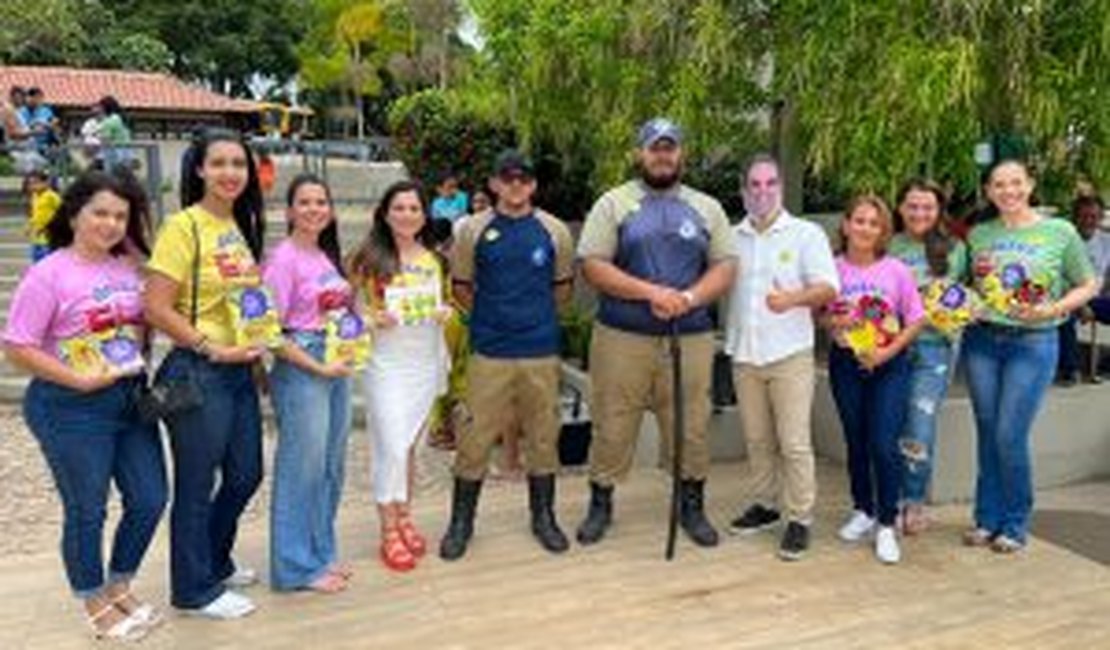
<point x="512" y="268"/>
<point x="658" y="252"/>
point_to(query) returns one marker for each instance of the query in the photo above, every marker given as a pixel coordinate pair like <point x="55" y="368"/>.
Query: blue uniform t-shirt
<point x="514" y="264"/>
<point x="668" y="238"/>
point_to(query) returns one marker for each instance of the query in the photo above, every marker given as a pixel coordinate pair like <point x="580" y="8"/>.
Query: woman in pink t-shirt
<point x="311" y="395"/>
<point x="877" y="316"/>
<point x="76" y="325"/>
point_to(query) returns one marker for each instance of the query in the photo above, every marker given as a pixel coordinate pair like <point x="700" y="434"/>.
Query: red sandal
<point x="395" y="553"/>
<point x="415" y="542"/>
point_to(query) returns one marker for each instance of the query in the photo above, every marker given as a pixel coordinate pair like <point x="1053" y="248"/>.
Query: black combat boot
<point x="541" y="501"/>
<point x="599" y="516"/>
<point x="693" y="514"/>
<point x="464" y="502"/>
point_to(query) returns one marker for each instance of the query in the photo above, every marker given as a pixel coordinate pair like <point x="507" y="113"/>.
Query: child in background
<point x="450" y="203"/>
<point x="44" y="202"/>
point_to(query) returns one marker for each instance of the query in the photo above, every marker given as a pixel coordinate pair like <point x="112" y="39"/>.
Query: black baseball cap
<point x="512" y="161"/>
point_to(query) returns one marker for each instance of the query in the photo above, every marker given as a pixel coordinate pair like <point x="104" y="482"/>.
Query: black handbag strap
<point x="196" y="269"/>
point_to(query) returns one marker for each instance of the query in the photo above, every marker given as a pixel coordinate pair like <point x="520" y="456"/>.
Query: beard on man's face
<point x="661" y="180"/>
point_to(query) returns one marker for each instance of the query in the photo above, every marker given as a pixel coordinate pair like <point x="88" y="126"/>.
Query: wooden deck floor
<point x="507" y="593"/>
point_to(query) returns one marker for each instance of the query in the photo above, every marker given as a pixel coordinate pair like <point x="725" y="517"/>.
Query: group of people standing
<point x="659" y="253"/>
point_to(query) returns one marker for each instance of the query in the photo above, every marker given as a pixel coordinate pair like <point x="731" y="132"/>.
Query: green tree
<point x="580" y="75"/>
<point x="885" y="89"/>
<point x="347" y="48"/>
<point x="224" y="43"/>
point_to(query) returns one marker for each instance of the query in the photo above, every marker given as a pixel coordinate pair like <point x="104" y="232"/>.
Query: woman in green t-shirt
<point x="1032" y="271"/>
<point x="923" y="245"/>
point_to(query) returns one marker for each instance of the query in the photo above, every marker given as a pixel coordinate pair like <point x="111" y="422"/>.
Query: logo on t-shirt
<point x="688" y="230"/>
<point x="492" y="234"/>
<point x="539" y="256"/>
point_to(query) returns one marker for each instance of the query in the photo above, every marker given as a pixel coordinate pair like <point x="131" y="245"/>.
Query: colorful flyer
<point x="413" y="305"/>
<point x="255" y="316"/>
<point x="347" y="339"/>
<point x="117" y="351"/>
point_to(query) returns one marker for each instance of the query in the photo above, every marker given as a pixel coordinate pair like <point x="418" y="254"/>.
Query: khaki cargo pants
<point x="504" y="396"/>
<point x="631" y="374"/>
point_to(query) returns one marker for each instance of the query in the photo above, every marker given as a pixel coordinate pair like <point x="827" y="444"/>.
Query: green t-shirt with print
<point x="911" y="252"/>
<point x="1048" y="253"/>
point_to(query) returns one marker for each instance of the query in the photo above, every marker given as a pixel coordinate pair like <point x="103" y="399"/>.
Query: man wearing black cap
<point x="512" y="268"/>
<point x="659" y="253"/>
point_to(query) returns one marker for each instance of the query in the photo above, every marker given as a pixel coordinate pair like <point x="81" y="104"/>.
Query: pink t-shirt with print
<point x="306" y="285"/>
<point x="888" y="278"/>
<point x="64" y="297"/>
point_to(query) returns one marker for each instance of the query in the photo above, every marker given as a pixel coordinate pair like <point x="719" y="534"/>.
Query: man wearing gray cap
<point x="658" y="252"/>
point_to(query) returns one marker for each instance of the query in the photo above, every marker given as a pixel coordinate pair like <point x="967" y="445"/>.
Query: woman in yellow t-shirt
<point x="403" y="279"/>
<point x="223" y="223"/>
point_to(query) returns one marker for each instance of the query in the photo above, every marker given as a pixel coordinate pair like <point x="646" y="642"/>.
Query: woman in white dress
<point x="403" y="282"/>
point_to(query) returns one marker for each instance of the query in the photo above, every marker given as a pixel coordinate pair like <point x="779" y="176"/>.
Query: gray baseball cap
<point x="656" y="129"/>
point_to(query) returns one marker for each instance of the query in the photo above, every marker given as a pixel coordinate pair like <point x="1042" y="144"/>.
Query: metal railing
<point x="63" y="162"/>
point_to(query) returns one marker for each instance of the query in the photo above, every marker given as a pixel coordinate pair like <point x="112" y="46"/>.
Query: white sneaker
<point x="858" y="526"/>
<point x="229" y="605"/>
<point x="242" y="578"/>
<point x="886" y="546"/>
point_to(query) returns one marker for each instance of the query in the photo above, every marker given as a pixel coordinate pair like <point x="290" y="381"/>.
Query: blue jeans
<point x="89" y="441"/>
<point x="930" y="371"/>
<point x="872" y="407"/>
<point x="222" y="438"/>
<point x="313" y="420"/>
<point x="1008" y="371"/>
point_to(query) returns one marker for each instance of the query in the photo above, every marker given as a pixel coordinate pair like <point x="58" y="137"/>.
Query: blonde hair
<point x="885" y="217"/>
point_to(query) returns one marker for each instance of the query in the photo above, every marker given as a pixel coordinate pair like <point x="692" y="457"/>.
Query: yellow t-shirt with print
<point x="43" y="206"/>
<point x="226" y="263"/>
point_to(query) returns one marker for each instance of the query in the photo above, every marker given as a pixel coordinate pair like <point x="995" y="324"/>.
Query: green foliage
<point x="433" y="134"/>
<point x="888" y="89"/>
<point x="223" y="42"/>
<point x="137" y="52"/>
<point x="579" y="76"/>
<point x="576" y="326"/>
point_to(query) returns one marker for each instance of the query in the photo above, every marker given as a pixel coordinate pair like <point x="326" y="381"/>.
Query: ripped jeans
<point x="931" y="361"/>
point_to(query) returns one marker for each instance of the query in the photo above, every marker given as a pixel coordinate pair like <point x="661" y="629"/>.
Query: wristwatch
<point x="690" y="298"/>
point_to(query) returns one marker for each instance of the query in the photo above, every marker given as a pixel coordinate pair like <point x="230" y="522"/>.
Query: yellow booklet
<point x="255" y="316"/>
<point x="118" y="350"/>
<point x="413" y="305"/>
<point x="346" y="338"/>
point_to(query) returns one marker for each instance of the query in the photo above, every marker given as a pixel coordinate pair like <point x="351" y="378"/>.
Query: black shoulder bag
<point x="170" y="396"/>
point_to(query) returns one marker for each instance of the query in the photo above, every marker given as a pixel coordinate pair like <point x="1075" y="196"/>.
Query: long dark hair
<point x="377" y="255"/>
<point x="329" y="236"/>
<point x="938" y="244"/>
<point x="120" y="182"/>
<point x="249" y="210"/>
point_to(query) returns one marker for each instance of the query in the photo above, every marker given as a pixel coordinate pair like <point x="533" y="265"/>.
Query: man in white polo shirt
<point x="786" y="270"/>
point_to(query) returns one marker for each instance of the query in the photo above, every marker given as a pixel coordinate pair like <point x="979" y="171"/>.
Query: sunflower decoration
<point x="949" y="306"/>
